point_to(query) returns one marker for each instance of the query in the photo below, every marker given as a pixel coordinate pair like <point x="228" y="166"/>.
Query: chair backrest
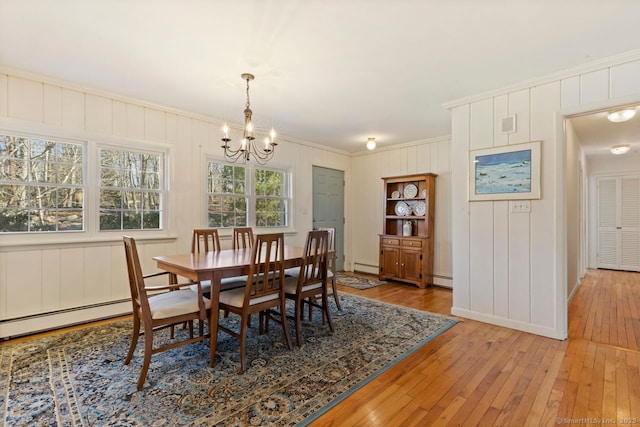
<point x="205" y="240"/>
<point x="314" y="261"/>
<point x="331" y="246"/>
<point x="266" y="271"/>
<point x="242" y="237"/>
<point x="136" y="280"/>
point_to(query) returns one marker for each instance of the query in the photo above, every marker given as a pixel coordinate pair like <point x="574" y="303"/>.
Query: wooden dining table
<point x="214" y="266"/>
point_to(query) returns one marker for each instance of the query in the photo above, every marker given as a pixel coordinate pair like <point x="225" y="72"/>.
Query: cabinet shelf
<point x="408" y="258"/>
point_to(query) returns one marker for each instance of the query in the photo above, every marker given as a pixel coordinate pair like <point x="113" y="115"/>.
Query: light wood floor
<point x="478" y="374"/>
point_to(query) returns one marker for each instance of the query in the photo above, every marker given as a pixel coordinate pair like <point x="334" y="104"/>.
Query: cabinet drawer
<point x="412" y="243"/>
<point x="387" y="241"/>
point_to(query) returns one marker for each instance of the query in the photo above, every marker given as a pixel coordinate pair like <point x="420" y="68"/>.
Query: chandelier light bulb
<point x="371" y="143"/>
<point x="621" y="116"/>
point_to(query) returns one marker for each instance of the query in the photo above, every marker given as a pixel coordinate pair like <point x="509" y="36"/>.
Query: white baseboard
<point x="509" y="323"/>
<point x="45" y="322"/>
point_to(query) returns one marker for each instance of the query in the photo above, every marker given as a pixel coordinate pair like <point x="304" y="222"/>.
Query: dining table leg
<point x="214" y="316"/>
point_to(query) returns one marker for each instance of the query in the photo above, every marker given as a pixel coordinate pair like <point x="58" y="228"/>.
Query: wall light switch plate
<point x="520" y="206"/>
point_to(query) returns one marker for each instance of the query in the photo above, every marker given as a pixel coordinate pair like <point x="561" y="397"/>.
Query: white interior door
<point x="619" y="223"/>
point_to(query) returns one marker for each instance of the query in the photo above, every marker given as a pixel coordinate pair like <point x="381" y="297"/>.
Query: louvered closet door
<point x="630" y="223"/>
<point x="619" y="223"/>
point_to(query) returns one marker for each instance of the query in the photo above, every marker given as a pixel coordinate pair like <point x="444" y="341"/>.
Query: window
<point x="131" y="186"/>
<point x="246" y="195"/>
<point x="271" y="198"/>
<point x="227" y="196"/>
<point x="41" y="184"/>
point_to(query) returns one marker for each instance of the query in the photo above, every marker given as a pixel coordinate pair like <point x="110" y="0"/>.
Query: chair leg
<point x="335" y="293"/>
<point x="134" y="339"/>
<point x="325" y="309"/>
<point x="148" y="348"/>
<point x="297" y="314"/>
<point x="243" y="342"/>
<point x="283" y="320"/>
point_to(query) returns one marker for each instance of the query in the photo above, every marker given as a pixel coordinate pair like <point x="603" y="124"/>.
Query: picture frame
<point x="510" y="172"/>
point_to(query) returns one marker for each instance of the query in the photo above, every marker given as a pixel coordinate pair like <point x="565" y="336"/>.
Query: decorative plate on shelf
<point x="402" y="209"/>
<point x="410" y="191"/>
<point x="395" y="195"/>
<point x="424" y="193"/>
<point x="419" y="209"/>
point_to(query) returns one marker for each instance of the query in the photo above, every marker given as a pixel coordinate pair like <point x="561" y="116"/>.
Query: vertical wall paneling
<point x="25" y="99"/>
<point x="545" y="99"/>
<point x="519" y="268"/>
<point x="98" y="264"/>
<point x="519" y="105"/>
<point x="481" y="216"/>
<point x="460" y="206"/>
<point x="51" y="280"/>
<point x="24" y="268"/>
<point x="179" y="194"/>
<point x="570" y="92"/>
<point x="155" y="128"/>
<point x="52" y="105"/>
<point x="501" y="259"/>
<point x="624" y="79"/>
<point x="73" y="108"/>
<point x="119" y="286"/>
<point x="594" y="86"/>
<point x="119" y="115"/>
<point x="99" y="115"/>
<point x="135" y="122"/>
<point x="4" y="85"/>
<point x="442" y="252"/>
<point x="72" y="275"/>
<point x="481" y="123"/>
<point x="172" y="128"/>
<point x="500" y="111"/>
<point x="481" y="256"/>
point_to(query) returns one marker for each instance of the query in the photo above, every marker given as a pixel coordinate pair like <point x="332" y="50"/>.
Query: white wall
<point x="368" y="169"/>
<point x="510" y="269"/>
<point x="46" y="278"/>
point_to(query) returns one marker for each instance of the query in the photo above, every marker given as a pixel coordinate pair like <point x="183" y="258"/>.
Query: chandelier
<point x="262" y="153"/>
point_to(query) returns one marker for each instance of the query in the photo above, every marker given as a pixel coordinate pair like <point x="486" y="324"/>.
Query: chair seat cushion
<point x="291" y="285"/>
<point x="235" y="297"/>
<point x="225" y="284"/>
<point x="175" y="303"/>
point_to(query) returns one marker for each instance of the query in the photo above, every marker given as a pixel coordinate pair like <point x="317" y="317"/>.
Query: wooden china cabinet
<point x="406" y="242"/>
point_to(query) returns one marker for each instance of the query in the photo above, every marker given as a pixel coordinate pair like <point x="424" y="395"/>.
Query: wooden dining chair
<point x="205" y="240"/>
<point x="263" y="290"/>
<point x="311" y="280"/>
<point x="160" y="310"/>
<point x="242" y="237"/>
<point x="331" y="264"/>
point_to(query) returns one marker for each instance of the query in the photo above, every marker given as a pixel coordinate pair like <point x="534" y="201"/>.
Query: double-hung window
<point x="131" y="187"/>
<point x="247" y="195"/>
<point x="41" y="184"/>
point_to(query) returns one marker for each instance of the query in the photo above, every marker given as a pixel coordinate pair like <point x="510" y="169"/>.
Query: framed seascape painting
<point x="510" y="172"/>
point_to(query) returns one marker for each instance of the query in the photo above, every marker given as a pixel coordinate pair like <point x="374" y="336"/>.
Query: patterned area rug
<point x="354" y="280"/>
<point x="78" y="378"/>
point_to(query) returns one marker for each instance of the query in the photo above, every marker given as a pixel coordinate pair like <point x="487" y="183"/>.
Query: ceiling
<point x="327" y="71"/>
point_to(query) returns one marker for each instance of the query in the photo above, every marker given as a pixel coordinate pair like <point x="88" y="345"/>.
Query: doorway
<point x="328" y="206"/>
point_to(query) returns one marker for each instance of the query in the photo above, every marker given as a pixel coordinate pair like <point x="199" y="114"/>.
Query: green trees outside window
<point x="41" y="185"/>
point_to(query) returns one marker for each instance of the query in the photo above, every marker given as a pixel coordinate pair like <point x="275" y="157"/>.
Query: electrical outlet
<point x="520" y="206"/>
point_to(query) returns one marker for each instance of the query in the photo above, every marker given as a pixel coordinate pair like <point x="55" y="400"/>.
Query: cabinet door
<point x="411" y="265"/>
<point x="389" y="262"/>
